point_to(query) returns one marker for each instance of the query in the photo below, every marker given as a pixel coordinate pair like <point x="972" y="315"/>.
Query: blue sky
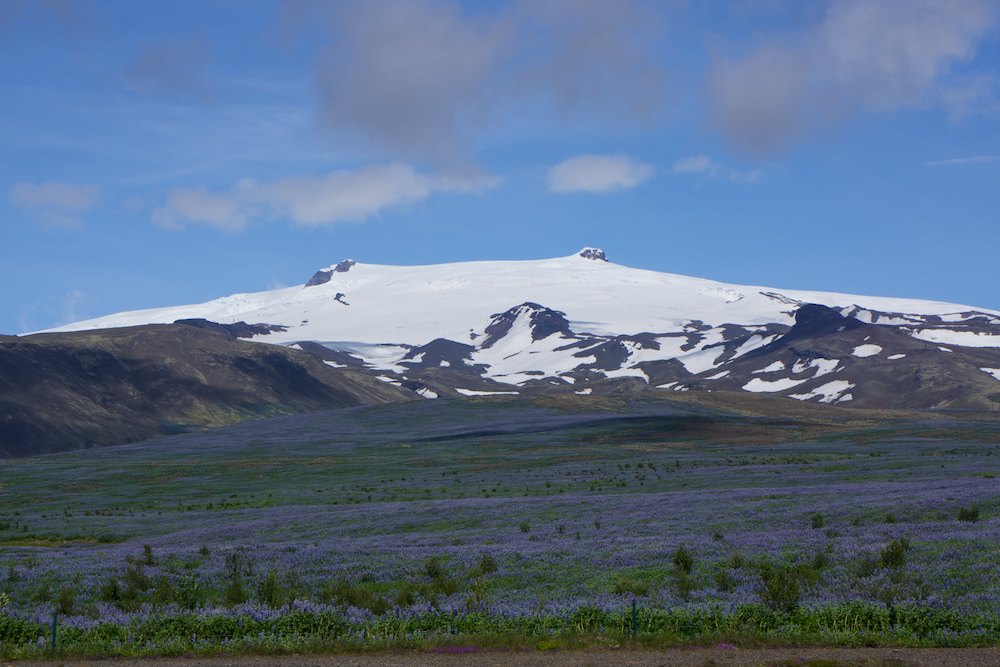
<point x="156" y="153"/>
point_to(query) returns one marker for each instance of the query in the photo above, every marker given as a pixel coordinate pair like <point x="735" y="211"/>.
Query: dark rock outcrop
<point x="594" y="253"/>
<point x="324" y="276"/>
<point x="235" y="330"/>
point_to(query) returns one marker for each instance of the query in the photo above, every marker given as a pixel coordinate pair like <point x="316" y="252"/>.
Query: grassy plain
<point x="501" y="522"/>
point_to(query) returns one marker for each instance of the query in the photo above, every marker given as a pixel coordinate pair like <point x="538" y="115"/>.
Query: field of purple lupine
<point x="437" y="521"/>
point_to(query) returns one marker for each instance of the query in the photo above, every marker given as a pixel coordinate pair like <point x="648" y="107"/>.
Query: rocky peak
<point x="595" y="254"/>
<point x="323" y="275"/>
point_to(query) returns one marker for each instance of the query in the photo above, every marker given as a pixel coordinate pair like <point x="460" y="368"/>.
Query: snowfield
<point x="416" y="304"/>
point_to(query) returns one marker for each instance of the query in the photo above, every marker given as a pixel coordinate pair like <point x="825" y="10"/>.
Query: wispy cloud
<point x="703" y="165"/>
<point x="310" y="201"/>
<point x="598" y="173"/>
<point x="54" y="202"/>
<point x="865" y="56"/>
<point x="961" y="161"/>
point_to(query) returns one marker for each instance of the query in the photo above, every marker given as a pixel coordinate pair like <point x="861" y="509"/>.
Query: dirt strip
<point x="693" y="657"/>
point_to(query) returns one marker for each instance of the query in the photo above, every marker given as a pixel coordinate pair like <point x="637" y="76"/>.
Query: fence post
<point x="634" y="618"/>
<point x="55" y="625"/>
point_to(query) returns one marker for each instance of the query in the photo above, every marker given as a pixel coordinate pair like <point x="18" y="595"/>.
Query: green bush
<point x="487" y="564"/>
<point x="271" y="592"/>
<point x="970" y="514"/>
<point x="66" y="600"/>
<point x="683" y="560"/>
<point x="893" y="555"/>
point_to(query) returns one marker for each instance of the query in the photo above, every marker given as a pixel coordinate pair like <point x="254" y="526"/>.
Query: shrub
<point x="630" y="586"/>
<point x="343" y="592"/>
<point x="866" y="567"/>
<point x="163" y="591"/>
<point x="970" y="514"/>
<point x="894" y="554"/>
<point x="136" y="581"/>
<point x="817" y="520"/>
<point x="782" y="587"/>
<point x="191" y="594"/>
<point x="724" y="580"/>
<point x="433" y="568"/>
<point x="525" y="526"/>
<point x="147" y="555"/>
<point x="109" y="590"/>
<point x="66" y="600"/>
<point x="683" y="560"/>
<point x="271" y="592"/>
<point x="487" y="564"/>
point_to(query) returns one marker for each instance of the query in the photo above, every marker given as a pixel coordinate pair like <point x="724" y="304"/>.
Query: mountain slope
<point x="67" y="391"/>
<point x="586" y="325"/>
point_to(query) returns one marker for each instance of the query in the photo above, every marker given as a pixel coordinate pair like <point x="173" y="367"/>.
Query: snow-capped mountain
<point x="584" y="324"/>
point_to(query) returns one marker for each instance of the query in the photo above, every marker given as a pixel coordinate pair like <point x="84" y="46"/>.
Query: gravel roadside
<point x="693" y="657"/>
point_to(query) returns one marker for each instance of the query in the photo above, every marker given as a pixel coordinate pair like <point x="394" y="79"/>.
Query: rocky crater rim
<point x="596" y="254"/>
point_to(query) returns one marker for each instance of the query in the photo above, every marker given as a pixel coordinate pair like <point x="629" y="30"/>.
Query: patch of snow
<point x="772" y="368"/>
<point x="757" y="385"/>
<point x="754" y="342"/>
<point x="828" y="393"/>
<point x="668" y="385"/>
<point x="894" y="357"/>
<point x="444" y="363"/>
<point x="427" y="393"/>
<point x="389" y="380"/>
<point x="995" y="372"/>
<point x="627" y="372"/>
<point x="822" y="366"/>
<point x="868" y="350"/>
<point x="376" y="356"/>
<point x="473" y="392"/>
<point x="334" y="364"/>
<point x="718" y="376"/>
<point x="944" y="349"/>
<point x="864" y="315"/>
<point x="963" y="338"/>
<point x="584" y="392"/>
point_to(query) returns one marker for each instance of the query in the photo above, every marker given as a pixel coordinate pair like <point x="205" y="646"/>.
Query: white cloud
<point x="696" y="164"/>
<point x="961" y="161"/>
<point x="310" y="201"/>
<point x="703" y="165"/>
<point x="55" y="202"/>
<point x="865" y="56"/>
<point x="197" y="205"/>
<point x="598" y="173"/>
